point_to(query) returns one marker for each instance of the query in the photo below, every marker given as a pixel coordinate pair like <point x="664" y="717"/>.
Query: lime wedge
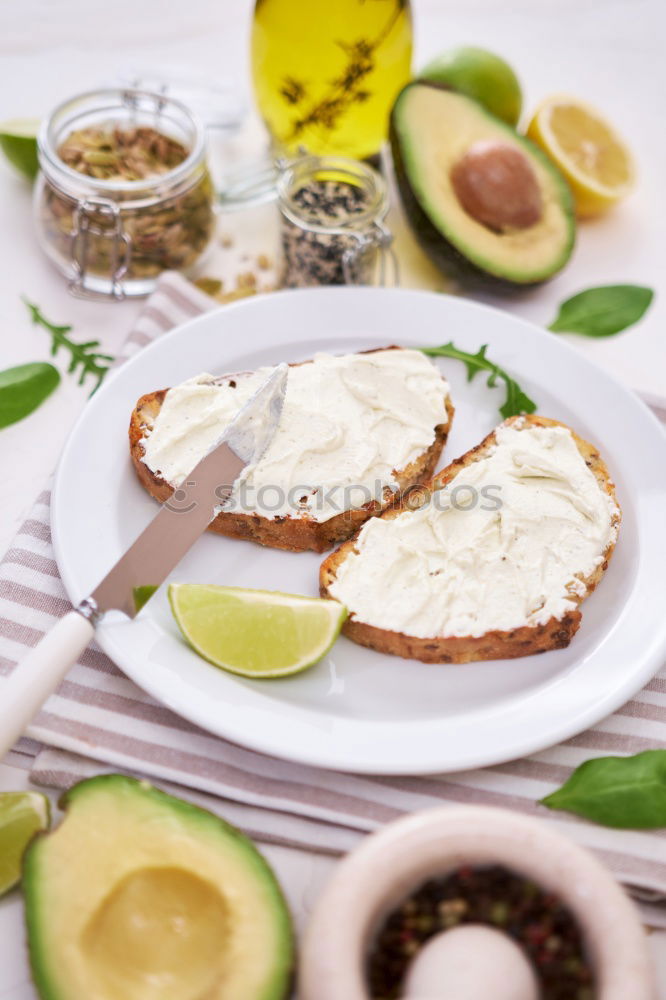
<point x="256" y="633"/>
<point x="18" y="140"/>
<point x="22" y="815"/>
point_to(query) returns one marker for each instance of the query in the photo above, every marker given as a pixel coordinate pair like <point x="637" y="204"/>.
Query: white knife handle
<point x="38" y="675"/>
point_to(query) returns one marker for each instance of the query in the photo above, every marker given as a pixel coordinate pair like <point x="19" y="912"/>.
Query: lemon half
<point x="592" y="156"/>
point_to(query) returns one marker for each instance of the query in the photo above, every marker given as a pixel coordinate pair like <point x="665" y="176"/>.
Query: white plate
<point x="358" y="710"/>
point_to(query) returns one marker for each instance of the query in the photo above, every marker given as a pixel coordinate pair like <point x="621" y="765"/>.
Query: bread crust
<point x="495" y="645"/>
<point x="294" y="534"/>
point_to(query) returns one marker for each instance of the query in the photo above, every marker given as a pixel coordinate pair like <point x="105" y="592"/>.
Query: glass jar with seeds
<point x="124" y="191"/>
<point x="333" y="229"/>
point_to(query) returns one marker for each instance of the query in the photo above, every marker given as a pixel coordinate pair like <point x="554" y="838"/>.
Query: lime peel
<point x="480" y="74"/>
<point x="256" y="633"/>
<point x="18" y="141"/>
<point x="22" y="815"/>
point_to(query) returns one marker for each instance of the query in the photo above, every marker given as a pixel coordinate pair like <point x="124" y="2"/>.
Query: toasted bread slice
<point x="523" y="640"/>
<point x="299" y="532"/>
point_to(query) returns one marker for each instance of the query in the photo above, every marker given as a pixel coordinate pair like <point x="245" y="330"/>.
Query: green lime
<point x="22" y="815"/>
<point x="481" y="75"/>
<point x="18" y="140"/>
<point x="256" y="633"/>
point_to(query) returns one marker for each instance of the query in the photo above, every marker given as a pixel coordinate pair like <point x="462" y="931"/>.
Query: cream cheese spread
<point x="347" y="424"/>
<point x="505" y="545"/>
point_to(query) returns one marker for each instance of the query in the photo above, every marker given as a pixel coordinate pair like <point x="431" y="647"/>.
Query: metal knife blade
<point x="191" y="508"/>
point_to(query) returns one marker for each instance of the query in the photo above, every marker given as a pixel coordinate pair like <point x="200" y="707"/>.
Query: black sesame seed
<point x="313" y="258"/>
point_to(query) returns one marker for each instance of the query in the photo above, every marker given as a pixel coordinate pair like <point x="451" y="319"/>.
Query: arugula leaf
<point x="142" y="595"/>
<point x="83" y="356"/>
<point x="24" y="388"/>
<point x="516" y="401"/>
<point x="621" y="792"/>
<point x="603" y="311"/>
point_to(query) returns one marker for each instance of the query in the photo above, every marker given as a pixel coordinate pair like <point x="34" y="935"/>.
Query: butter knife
<point x="149" y="560"/>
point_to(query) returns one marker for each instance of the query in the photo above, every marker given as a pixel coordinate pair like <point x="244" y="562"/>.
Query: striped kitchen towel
<point x="99" y="719"/>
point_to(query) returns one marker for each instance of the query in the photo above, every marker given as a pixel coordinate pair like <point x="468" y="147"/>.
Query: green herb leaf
<point x="24" y="388"/>
<point x="83" y="356"/>
<point x="516" y="401"/>
<point x="142" y="595"/>
<point x="622" y="792"/>
<point x="603" y="311"/>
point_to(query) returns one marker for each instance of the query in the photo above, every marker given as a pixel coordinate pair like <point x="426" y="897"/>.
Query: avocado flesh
<point x="138" y="895"/>
<point x="431" y="130"/>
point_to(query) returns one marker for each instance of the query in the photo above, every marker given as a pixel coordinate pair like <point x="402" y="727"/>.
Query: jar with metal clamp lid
<point x="124" y="191"/>
<point x="333" y="211"/>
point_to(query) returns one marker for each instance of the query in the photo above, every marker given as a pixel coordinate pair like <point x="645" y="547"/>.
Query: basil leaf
<point x="622" y="792"/>
<point x="24" y="388"/>
<point x="603" y="311"/>
<point x="516" y="401"/>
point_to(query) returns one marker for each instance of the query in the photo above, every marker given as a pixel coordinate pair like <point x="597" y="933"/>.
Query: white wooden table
<point x="609" y="54"/>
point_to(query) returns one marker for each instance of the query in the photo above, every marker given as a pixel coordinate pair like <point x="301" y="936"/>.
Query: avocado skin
<point x="447" y="257"/>
<point x="32" y="874"/>
<point x="29" y="879"/>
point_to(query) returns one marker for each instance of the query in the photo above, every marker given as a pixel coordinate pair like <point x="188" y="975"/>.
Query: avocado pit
<point x="496" y="184"/>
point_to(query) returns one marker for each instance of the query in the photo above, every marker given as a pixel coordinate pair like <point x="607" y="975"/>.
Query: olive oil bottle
<point x="326" y="72"/>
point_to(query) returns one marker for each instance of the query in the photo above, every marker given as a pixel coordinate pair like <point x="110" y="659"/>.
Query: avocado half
<point x="432" y="128"/>
<point x="138" y="895"/>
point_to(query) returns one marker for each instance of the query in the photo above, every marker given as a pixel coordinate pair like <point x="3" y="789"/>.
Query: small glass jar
<point x="333" y="229"/>
<point x="112" y="237"/>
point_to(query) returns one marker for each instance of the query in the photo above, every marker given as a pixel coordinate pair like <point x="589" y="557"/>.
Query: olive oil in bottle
<point x="326" y="72"/>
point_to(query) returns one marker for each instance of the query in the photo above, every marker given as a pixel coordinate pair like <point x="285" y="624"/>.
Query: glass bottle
<point x="326" y="74"/>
